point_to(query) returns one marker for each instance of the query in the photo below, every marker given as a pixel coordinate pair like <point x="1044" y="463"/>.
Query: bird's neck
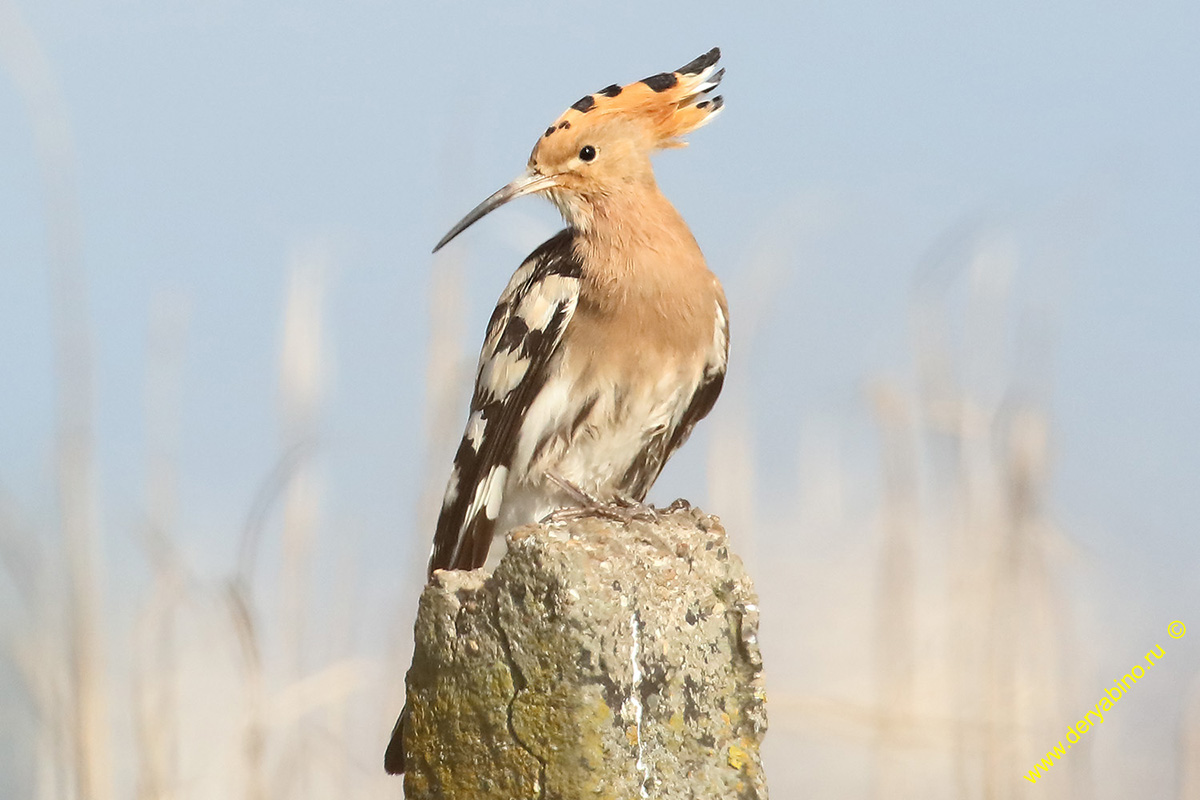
<point x="635" y="232"/>
<point x="643" y="271"/>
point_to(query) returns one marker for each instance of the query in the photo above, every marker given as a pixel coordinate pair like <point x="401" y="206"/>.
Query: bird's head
<point x="602" y="143"/>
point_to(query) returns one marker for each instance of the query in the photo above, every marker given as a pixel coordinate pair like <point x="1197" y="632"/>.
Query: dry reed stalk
<point x="155" y="665"/>
<point x="895" y="600"/>
<point x="943" y="409"/>
<point x="999" y="587"/>
<point x="1189" y="744"/>
<point x="731" y="476"/>
<point x="301" y="383"/>
<point x="447" y="376"/>
<point x="155" y="697"/>
<point x="254" y="726"/>
<point x="301" y="387"/>
<point x="33" y="75"/>
<point x="302" y="367"/>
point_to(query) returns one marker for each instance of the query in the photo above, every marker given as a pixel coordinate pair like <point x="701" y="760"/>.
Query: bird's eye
<point x="587" y="153"/>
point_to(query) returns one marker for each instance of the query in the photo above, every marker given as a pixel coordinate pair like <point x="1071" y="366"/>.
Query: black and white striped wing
<point x="523" y="336"/>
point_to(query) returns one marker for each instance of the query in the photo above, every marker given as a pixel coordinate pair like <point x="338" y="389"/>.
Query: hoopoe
<point x="610" y="341"/>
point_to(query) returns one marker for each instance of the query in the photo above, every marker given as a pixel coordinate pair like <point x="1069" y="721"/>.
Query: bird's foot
<point x="578" y="495"/>
<point x="618" y="509"/>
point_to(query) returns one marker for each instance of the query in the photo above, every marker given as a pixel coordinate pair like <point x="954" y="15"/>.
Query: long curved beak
<point x="528" y="183"/>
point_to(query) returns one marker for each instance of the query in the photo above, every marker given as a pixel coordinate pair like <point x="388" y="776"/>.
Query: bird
<point x="609" y="342"/>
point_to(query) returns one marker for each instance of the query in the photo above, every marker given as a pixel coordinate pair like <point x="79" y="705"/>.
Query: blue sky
<point x="215" y="140"/>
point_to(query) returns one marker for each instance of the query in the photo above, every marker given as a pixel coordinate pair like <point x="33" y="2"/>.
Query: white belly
<point x="589" y="442"/>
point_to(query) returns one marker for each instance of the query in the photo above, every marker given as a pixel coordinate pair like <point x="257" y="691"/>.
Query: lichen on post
<point x="601" y="660"/>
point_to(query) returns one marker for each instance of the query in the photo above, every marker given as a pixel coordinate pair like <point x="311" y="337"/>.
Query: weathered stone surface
<point x="599" y="661"/>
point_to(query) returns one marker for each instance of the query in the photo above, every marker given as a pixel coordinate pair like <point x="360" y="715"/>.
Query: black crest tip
<point x="698" y="65"/>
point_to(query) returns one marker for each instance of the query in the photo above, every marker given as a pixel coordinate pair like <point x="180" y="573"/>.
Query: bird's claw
<point x="619" y="509"/>
<point x="678" y="504"/>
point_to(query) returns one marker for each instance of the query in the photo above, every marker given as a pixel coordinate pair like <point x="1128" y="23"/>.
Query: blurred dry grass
<point x="964" y="645"/>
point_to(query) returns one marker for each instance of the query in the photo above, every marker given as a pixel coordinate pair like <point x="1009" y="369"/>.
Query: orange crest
<point x="671" y="104"/>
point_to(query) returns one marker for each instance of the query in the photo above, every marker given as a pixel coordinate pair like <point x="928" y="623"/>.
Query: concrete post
<point x="601" y="660"/>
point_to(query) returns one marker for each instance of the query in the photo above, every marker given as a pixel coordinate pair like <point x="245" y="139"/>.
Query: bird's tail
<point x="393" y="757"/>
